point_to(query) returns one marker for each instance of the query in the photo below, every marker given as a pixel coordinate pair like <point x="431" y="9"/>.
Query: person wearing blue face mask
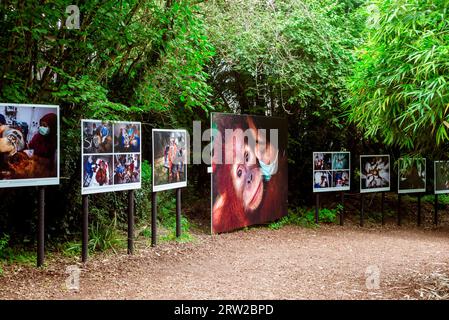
<point x="266" y="153"/>
<point x="44" y="142"/>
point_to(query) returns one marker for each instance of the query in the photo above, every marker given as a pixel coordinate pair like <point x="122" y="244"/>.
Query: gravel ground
<point x="329" y="262"/>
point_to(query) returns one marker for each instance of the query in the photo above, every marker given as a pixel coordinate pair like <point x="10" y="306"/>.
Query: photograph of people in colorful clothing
<point x="126" y="168"/>
<point x="170" y="154"/>
<point x="126" y="137"/>
<point x="97" y="137"/>
<point x="331" y="171"/>
<point x="97" y="170"/>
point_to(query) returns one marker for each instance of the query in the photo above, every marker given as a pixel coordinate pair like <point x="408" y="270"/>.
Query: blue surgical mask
<point x="44" y="130"/>
<point x="269" y="169"/>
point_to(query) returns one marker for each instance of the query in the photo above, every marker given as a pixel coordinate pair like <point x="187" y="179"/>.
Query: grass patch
<point x="14" y="255"/>
<point x="305" y="217"/>
<point x="167" y="221"/>
<point x="101" y="238"/>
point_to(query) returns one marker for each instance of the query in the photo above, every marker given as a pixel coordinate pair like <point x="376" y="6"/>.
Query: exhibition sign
<point x="441" y="177"/>
<point x="29" y="145"/>
<point x="331" y="171"/>
<point x="249" y="170"/>
<point x="111" y="156"/>
<point x="170" y="148"/>
<point x="374" y="173"/>
<point x="412" y="175"/>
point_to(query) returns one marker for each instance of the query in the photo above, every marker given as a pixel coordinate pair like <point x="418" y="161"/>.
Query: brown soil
<point x="328" y="262"/>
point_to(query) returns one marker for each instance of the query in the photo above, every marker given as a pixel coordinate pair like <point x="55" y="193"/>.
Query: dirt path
<point x="291" y="263"/>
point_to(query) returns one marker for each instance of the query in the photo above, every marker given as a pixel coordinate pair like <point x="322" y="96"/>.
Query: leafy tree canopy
<point x="400" y="86"/>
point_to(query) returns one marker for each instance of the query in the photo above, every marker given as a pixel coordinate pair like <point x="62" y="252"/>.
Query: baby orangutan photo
<point x="249" y="168"/>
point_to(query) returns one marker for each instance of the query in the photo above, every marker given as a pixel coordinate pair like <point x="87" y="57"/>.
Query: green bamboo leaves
<point x="400" y="86"/>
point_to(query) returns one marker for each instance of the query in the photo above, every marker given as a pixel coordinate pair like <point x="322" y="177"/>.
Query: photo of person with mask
<point x="44" y="142"/>
<point x="28" y="143"/>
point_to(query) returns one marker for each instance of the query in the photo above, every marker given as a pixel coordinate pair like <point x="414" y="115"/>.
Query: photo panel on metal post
<point x="111" y="156"/>
<point x="29" y="145"/>
<point x="411" y="175"/>
<point x="249" y="170"/>
<point x="375" y="173"/>
<point x="441" y="177"/>
<point x="331" y="171"/>
<point x="170" y="155"/>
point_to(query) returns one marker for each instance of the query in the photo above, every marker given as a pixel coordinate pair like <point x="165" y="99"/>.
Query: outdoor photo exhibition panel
<point x="374" y="173"/>
<point x="111" y="156"/>
<point x="331" y="171"/>
<point x="29" y="145"/>
<point x="169" y="159"/>
<point x="250" y="186"/>
<point x="441" y="177"/>
<point x="412" y="175"/>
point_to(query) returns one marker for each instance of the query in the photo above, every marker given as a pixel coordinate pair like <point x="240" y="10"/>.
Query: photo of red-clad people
<point x="126" y="168"/>
<point x="97" y="171"/>
<point x="169" y="159"/>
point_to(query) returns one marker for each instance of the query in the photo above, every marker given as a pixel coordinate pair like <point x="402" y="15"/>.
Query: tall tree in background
<point x="400" y="87"/>
<point x="288" y="58"/>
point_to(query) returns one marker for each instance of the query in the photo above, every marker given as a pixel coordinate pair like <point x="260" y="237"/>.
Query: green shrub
<point x="4" y="240"/>
<point x="102" y="237"/>
<point x="15" y="254"/>
<point x="167" y="218"/>
<point x="305" y="217"/>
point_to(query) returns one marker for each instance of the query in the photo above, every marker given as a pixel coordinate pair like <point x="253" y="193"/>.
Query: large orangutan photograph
<point x="249" y="170"/>
<point x="28" y="145"/>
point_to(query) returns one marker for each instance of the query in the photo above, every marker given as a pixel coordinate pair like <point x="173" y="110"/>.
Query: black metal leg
<point x="85" y="229"/>
<point x="178" y="212"/>
<point x="342" y="214"/>
<point x="130" y="221"/>
<point x="153" y="218"/>
<point x="362" y="209"/>
<point x="435" y="218"/>
<point x="382" y="208"/>
<point x="419" y="210"/>
<point x="41" y="228"/>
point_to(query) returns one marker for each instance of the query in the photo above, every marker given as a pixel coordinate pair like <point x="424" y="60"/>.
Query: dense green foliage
<point x="339" y="70"/>
<point x="282" y="56"/>
<point x="400" y="87"/>
<point x="288" y="58"/>
<point x="134" y="60"/>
